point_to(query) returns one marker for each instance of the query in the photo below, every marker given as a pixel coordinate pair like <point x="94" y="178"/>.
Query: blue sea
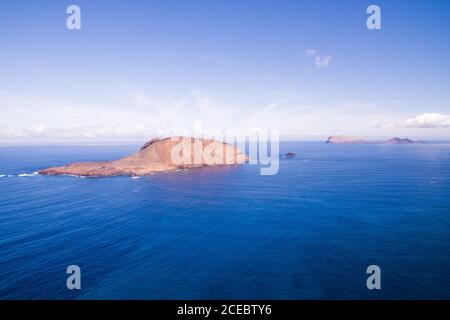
<point x="308" y="232"/>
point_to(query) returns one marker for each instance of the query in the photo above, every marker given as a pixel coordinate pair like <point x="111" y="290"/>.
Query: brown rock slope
<point x="159" y="155"/>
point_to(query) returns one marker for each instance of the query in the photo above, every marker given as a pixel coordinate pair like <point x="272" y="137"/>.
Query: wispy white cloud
<point x="43" y="131"/>
<point x="149" y="114"/>
<point x="320" y="62"/>
<point x="146" y="113"/>
<point x="425" y="120"/>
<point x="310" y="52"/>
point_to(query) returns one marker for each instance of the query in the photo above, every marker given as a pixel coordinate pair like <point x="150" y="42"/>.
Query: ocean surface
<point x="308" y="232"/>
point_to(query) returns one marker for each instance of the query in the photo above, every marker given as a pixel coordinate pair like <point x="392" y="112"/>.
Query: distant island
<point x="344" y="140"/>
<point x="403" y="141"/>
<point x="159" y="155"/>
<point x="289" y="155"/>
<point x="355" y="140"/>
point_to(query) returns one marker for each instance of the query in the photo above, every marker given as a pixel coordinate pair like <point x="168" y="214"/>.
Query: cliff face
<point x="159" y="155"/>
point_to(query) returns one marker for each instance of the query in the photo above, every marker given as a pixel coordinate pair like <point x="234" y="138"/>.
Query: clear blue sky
<point x="139" y="68"/>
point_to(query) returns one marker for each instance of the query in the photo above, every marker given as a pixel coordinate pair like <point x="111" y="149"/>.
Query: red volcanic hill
<point x="159" y="155"/>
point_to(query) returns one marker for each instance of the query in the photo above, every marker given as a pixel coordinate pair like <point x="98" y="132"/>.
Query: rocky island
<point x="289" y="155"/>
<point x="403" y="141"/>
<point x="344" y="140"/>
<point x="353" y="140"/>
<point x="159" y="155"/>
